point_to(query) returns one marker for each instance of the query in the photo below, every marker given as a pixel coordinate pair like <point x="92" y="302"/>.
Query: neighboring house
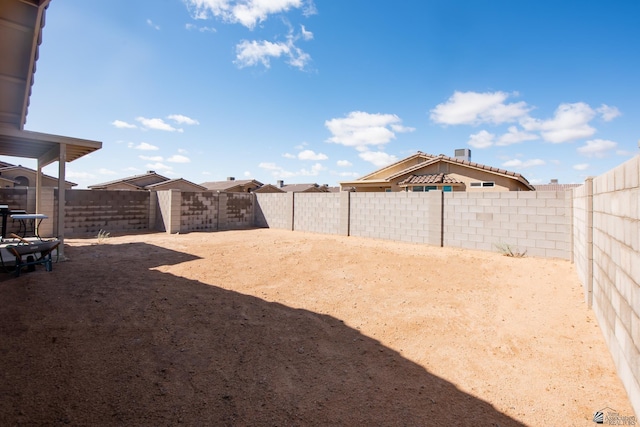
<point x="425" y="172"/>
<point x="231" y="185"/>
<point x="269" y="188"/>
<point x="555" y="186"/>
<point x="302" y="188"/>
<point x="148" y="181"/>
<point x="20" y="176"/>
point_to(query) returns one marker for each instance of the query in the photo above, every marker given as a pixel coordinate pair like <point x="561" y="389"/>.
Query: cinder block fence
<point x="596" y="226"/>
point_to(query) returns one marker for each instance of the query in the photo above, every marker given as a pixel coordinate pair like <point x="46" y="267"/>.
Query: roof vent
<point x="280" y="183"/>
<point x="231" y="178"/>
<point x="554" y="181"/>
<point x="151" y="171"/>
<point x="463" y="154"/>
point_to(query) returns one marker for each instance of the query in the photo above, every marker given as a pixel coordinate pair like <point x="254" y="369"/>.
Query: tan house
<point x="269" y="188"/>
<point x="20" y="176"/>
<point x="150" y="181"/>
<point x="231" y="185"/>
<point x="425" y="172"/>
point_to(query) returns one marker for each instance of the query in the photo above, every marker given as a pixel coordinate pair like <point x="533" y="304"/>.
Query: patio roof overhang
<point x="43" y="147"/>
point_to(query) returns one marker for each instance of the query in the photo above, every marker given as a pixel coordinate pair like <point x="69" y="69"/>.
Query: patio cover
<point x="21" y="23"/>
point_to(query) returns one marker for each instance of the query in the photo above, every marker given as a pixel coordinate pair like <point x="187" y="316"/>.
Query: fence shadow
<point x="107" y="338"/>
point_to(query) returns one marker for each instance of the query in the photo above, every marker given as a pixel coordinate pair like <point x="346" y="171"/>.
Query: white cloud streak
<point x="177" y="158"/>
<point x="378" y="158"/>
<point x="157" y="124"/>
<point x="570" y="122"/>
<point x="248" y="13"/>
<point x="361" y="130"/>
<point x="597" y="148"/>
<point x="517" y="163"/>
<point x="311" y="155"/>
<point x="473" y="108"/>
<point x="183" y="120"/>
<point x="144" y="146"/>
<point x="123" y="125"/>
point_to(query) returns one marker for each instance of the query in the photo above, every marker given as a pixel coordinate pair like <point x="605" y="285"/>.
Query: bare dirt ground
<point x="280" y="328"/>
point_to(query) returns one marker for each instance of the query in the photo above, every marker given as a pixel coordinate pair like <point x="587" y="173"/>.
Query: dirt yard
<point x="279" y="328"/>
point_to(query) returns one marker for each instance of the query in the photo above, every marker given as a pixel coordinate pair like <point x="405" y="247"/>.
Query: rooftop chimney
<point x="280" y="183"/>
<point x="151" y="171"/>
<point x="554" y="181"/>
<point x="231" y="178"/>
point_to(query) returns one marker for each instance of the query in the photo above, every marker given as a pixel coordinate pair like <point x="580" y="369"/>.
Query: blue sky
<point x="329" y="90"/>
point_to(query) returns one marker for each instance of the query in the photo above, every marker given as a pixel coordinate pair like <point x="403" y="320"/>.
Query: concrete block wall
<point x="538" y="222"/>
<point x="616" y="268"/>
<point x="169" y="210"/>
<point x="403" y="216"/>
<point x="317" y="213"/>
<point x="15" y="198"/>
<point x="236" y="211"/>
<point x="89" y="211"/>
<point x="199" y="211"/>
<point x="274" y="210"/>
<point x="582" y="237"/>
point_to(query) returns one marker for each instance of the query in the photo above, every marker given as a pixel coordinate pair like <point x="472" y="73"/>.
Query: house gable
<point x="453" y="173"/>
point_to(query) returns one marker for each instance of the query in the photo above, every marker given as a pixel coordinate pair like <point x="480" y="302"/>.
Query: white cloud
<point x="361" y="130"/>
<point x="517" y="163"/>
<point x="288" y="156"/>
<point x="247" y="174"/>
<point x="280" y="172"/>
<point x="152" y="158"/>
<point x="311" y="155"/>
<point x="177" y="158"/>
<point x="482" y="139"/>
<point x="378" y="158"/>
<point x="344" y="163"/>
<point x="597" y="147"/>
<point x="306" y="35"/>
<point x="608" y="113"/>
<point x="570" y="122"/>
<point x="581" y="166"/>
<point x="473" y="108"/>
<point x="183" y="120"/>
<point x="105" y="171"/>
<point x="245" y="12"/>
<point x="123" y="125"/>
<point x="78" y="175"/>
<point x="158" y="166"/>
<point x="346" y="174"/>
<point x="157" y="124"/>
<point x="144" y="146"/>
<point x="514" y="136"/>
<point x="250" y="53"/>
<point x="152" y="25"/>
<point x="204" y="29"/>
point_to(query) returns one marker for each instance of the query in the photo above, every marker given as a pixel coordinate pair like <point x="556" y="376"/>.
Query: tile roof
<point x="225" y="185"/>
<point x="299" y="188"/>
<point x="132" y="180"/>
<point x="434" y="178"/>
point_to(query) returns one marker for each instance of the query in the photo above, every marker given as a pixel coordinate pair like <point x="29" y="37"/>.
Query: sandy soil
<point x="280" y="328"/>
